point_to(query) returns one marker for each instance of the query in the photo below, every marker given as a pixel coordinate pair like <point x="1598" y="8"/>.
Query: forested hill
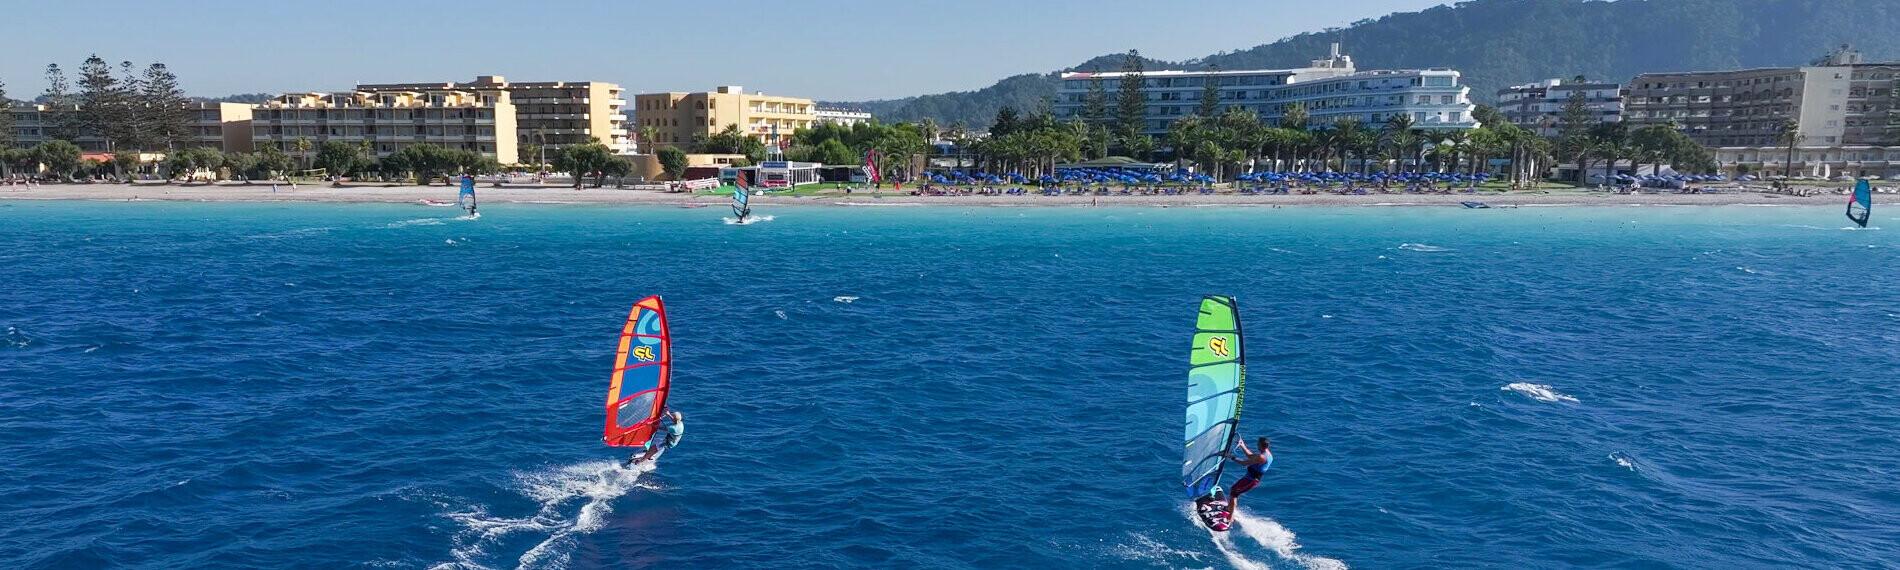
<point x="1498" y="43"/>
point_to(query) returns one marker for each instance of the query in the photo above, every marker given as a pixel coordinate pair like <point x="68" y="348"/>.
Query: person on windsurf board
<point x="637" y="412"/>
<point x="1257" y="464"/>
<point x="1216" y="379"/>
<point x="675" y="427"/>
<point x="466" y="199"/>
<point x="741" y="197"/>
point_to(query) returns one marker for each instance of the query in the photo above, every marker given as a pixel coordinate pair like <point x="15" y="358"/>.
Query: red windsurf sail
<point x="643" y="371"/>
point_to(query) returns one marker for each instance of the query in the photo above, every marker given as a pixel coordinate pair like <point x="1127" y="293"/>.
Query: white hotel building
<point x="1330" y="89"/>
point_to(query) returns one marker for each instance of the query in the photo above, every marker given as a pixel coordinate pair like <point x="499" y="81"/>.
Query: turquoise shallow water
<point x="302" y="385"/>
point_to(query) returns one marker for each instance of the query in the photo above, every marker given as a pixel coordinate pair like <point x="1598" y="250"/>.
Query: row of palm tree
<point x="1223" y="143"/>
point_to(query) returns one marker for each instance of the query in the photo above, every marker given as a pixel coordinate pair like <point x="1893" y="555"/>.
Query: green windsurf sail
<point x="1217" y="376"/>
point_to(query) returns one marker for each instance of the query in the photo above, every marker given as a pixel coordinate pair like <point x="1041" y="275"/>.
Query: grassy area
<point x="805" y="190"/>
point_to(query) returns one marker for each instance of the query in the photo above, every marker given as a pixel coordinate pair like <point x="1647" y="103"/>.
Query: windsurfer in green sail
<point x="1257" y="464"/>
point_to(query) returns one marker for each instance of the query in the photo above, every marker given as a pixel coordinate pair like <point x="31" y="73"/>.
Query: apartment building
<point x="551" y="114"/>
<point x="1539" y="107"/>
<point x="1843" y="109"/>
<point x="223" y="126"/>
<point x="1328" y="89"/>
<point x="387" y="120"/>
<point x="685" y="118"/>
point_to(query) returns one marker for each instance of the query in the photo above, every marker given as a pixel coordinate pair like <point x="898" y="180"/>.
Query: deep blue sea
<point x="336" y="386"/>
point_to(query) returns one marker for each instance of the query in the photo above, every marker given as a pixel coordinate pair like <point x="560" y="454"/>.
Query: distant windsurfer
<point x="467" y="195"/>
<point x="675" y="427"/>
<point x="1257" y="464"/>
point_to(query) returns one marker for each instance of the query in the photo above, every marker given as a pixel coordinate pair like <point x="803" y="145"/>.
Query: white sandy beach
<point x="416" y="194"/>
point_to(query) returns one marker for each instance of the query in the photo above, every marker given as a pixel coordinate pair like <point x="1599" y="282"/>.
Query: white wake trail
<point x="749" y="220"/>
<point x="1224" y="542"/>
<point x="1277" y="538"/>
<point x="594" y="485"/>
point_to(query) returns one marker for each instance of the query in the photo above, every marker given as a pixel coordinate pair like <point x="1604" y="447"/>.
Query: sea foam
<point x="1539" y="392"/>
<point x="574" y="500"/>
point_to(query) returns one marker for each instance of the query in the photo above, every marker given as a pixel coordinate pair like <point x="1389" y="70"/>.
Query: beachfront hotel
<point x="1329" y="89"/>
<point x="223" y="126"/>
<point x="686" y="118"/>
<point x="551" y="114"/>
<point x="479" y="120"/>
<point x="1539" y="107"/>
<point x="1843" y="107"/>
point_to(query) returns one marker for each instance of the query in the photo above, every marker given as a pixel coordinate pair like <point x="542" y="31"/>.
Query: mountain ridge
<point x="1499" y="43"/>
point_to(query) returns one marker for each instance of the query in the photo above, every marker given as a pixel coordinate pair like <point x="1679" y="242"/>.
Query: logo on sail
<point x="1218" y="345"/>
<point x="644" y="353"/>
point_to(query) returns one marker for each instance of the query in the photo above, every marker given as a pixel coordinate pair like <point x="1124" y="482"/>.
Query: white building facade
<point x="1330" y="89"/>
<point x="843" y="117"/>
<point x="1539" y="107"/>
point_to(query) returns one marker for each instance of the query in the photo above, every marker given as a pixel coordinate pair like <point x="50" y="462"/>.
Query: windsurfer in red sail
<point x="675" y="427"/>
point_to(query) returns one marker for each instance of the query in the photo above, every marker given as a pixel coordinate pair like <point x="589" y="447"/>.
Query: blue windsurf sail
<point x="740" y="205"/>
<point x="1860" y="206"/>
<point x="1217" y="376"/>
<point x="466" y="198"/>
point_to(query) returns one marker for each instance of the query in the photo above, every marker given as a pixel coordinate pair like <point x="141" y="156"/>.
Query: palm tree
<point x="928" y="127"/>
<point x="1450" y="148"/>
<point x="649" y="138"/>
<point x="303" y="151"/>
<point x="1790" y="133"/>
<point x="1398" y="136"/>
<point x="1612" y="142"/>
<point x="1485" y="143"/>
<point x="1345" y="135"/>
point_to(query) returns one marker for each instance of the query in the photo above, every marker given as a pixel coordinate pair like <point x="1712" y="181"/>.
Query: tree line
<point x="128" y="110"/>
<point x="1226" y="142"/>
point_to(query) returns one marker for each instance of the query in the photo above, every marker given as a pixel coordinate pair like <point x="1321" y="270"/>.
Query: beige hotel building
<point x="556" y="114"/>
<point x="223" y="126"/>
<point x="489" y="115"/>
<point x="685" y="118"/>
<point x="388" y="120"/>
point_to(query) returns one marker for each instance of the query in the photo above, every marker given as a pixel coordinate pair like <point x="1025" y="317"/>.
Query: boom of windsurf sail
<point x="740" y="199"/>
<point x="643" y="372"/>
<point x="1860" y="206"/>
<point x="1217" y="377"/>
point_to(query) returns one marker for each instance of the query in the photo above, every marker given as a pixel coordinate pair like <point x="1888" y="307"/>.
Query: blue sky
<point x="824" y="49"/>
